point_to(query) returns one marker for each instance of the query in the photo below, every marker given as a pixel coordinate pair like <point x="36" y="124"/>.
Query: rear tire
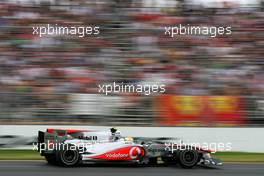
<point x="188" y="158"/>
<point x="67" y="156"/>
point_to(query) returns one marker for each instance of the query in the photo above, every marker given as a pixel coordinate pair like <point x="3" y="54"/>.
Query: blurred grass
<point x="224" y="156"/>
<point x="19" y="155"/>
<point x="239" y="157"/>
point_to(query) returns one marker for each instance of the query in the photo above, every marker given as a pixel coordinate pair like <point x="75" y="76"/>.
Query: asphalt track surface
<point x="41" y="168"/>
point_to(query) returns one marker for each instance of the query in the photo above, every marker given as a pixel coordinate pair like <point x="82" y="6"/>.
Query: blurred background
<point x="209" y="81"/>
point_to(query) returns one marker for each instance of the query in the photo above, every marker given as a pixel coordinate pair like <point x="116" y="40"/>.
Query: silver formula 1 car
<point x="71" y="147"/>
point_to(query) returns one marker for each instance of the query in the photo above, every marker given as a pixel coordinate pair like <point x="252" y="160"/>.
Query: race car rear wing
<point x="68" y="131"/>
<point x="57" y="136"/>
<point x="45" y="139"/>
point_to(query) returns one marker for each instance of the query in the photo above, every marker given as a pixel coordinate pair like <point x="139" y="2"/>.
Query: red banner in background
<point x="174" y="110"/>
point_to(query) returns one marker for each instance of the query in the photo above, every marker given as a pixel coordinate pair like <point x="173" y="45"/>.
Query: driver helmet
<point x="116" y="134"/>
<point x="113" y="130"/>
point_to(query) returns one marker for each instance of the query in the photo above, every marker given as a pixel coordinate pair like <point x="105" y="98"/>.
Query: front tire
<point x="188" y="158"/>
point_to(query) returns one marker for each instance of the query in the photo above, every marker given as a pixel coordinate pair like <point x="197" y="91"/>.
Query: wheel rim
<point x="189" y="158"/>
<point x="69" y="156"/>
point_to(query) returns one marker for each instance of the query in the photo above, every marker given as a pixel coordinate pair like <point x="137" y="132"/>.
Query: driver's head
<point x="113" y="130"/>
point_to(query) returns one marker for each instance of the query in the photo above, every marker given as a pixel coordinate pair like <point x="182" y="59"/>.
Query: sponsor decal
<point x="128" y="153"/>
<point x="134" y="152"/>
<point x="117" y="155"/>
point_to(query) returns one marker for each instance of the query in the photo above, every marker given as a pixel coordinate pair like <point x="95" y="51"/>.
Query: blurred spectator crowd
<point x="38" y="75"/>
